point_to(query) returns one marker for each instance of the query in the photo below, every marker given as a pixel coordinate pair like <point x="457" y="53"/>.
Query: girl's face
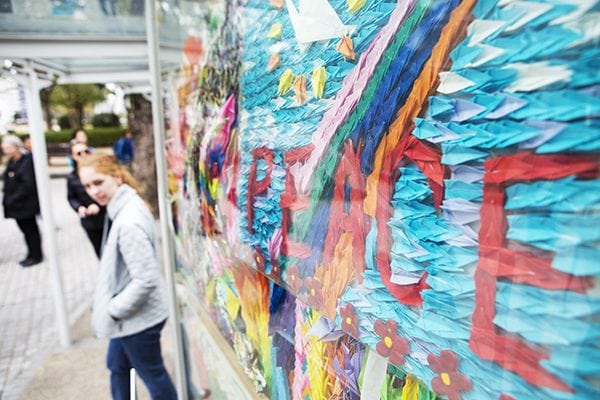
<point x="100" y="187"/>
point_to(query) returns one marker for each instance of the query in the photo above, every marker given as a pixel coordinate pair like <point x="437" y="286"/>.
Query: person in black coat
<point x="91" y="214"/>
<point x="20" y="200"/>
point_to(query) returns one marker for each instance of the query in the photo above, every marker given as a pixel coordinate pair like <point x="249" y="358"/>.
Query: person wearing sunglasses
<point x="91" y="214"/>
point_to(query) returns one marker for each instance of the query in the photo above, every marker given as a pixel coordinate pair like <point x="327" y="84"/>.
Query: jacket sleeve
<point x="72" y="196"/>
<point x="137" y="250"/>
<point x="118" y="148"/>
<point x="26" y="180"/>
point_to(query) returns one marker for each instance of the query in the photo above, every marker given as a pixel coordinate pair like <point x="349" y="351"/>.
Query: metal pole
<point x="158" y="123"/>
<point x="40" y="163"/>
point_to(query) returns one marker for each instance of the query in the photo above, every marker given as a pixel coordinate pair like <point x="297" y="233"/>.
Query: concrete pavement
<point x="28" y="330"/>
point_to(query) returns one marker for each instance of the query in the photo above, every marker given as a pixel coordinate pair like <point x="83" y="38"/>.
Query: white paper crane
<point x="316" y="20"/>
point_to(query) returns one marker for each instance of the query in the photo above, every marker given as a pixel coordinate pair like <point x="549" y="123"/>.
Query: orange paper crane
<point x="300" y="89"/>
<point x="346" y="47"/>
<point x="274" y="62"/>
<point x="193" y="49"/>
<point x="278" y="4"/>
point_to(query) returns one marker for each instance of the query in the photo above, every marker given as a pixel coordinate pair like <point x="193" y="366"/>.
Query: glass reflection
<point x="73" y="17"/>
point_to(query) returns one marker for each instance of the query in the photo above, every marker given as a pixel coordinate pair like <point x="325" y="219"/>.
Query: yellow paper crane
<point x="275" y="31"/>
<point x="319" y="77"/>
<point x="285" y="82"/>
<point x="274" y="62"/>
<point x="355" y="5"/>
<point x="300" y="89"/>
<point x="346" y="47"/>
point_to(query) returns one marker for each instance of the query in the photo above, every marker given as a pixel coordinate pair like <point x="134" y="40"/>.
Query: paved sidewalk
<point x="28" y="332"/>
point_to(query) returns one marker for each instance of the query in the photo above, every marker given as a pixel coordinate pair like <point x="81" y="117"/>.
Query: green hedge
<point x="105" y="120"/>
<point x="97" y="137"/>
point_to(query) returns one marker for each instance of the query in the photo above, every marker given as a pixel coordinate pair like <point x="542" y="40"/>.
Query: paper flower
<point x="278" y="4"/>
<point x="274" y="62"/>
<point x="259" y="258"/>
<point x="275" y="31"/>
<point x="293" y="279"/>
<point x="319" y="77"/>
<point x="391" y="345"/>
<point x="505" y="396"/>
<point x="449" y="381"/>
<point x="300" y="89"/>
<point x="275" y="272"/>
<point x="285" y="82"/>
<point x="346" y="47"/>
<point x="349" y="320"/>
<point x="314" y="288"/>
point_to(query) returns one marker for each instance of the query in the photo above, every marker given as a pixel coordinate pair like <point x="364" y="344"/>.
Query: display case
<point x="395" y="200"/>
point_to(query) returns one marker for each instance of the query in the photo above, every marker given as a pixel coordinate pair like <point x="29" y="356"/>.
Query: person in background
<point x="27" y="143"/>
<point x="91" y="214"/>
<point x="20" y="200"/>
<point x="77" y="136"/>
<point x="130" y="305"/>
<point x="123" y="148"/>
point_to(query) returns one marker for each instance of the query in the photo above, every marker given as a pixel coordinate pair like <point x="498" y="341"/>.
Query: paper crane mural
<point x="436" y="197"/>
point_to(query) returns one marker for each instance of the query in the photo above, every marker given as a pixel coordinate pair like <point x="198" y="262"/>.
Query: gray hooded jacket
<point x="130" y="295"/>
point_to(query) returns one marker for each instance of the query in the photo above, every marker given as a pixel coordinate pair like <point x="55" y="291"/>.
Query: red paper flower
<point x="314" y="287"/>
<point x="259" y="258"/>
<point x="275" y="270"/>
<point x="349" y="320"/>
<point x="391" y="345"/>
<point x="293" y="279"/>
<point x="449" y="381"/>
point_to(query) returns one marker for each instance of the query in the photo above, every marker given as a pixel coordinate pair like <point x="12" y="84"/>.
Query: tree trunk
<point x="79" y="115"/>
<point x="45" y="100"/>
<point x="139" y="117"/>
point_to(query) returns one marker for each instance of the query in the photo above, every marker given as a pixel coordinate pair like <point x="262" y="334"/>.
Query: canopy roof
<point x="85" y="41"/>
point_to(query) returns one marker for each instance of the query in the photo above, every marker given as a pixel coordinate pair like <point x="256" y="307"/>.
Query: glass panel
<point x="405" y="192"/>
<point x="5" y="6"/>
<point x="74" y="17"/>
